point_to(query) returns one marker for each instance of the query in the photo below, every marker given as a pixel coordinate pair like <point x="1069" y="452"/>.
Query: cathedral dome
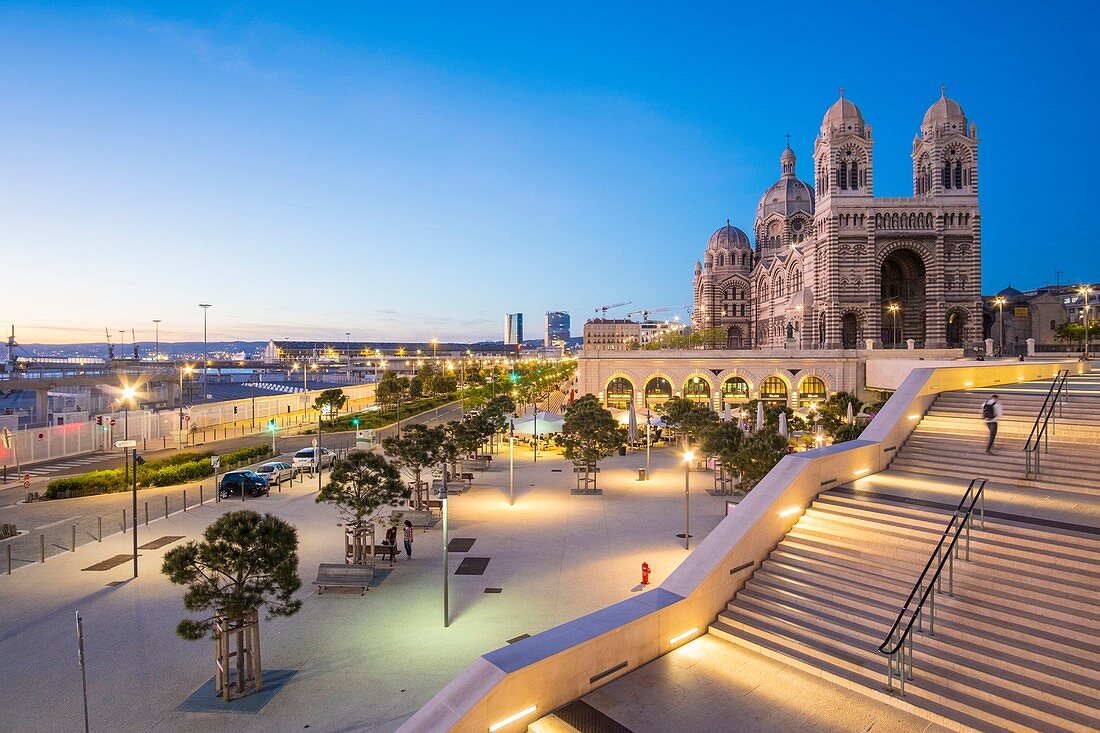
<point x="843" y="114"/>
<point x="788" y="195"/>
<point x="944" y="112"/>
<point x="727" y="238"/>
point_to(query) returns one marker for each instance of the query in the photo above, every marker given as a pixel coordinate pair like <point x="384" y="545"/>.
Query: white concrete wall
<point x="552" y="668"/>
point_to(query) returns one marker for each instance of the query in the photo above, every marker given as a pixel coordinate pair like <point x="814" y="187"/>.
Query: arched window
<point x="958" y="175"/>
<point x="721" y="259"/>
<point x="843" y="177"/>
<point x="697" y="390"/>
<point x="855" y="175"/>
<point x="657" y="391"/>
<point x="947" y="175"/>
<point x="778" y="286"/>
<point x="735" y="391"/>
<point x="619" y="393"/>
<point x="773" y="389"/>
<point x="811" y="390"/>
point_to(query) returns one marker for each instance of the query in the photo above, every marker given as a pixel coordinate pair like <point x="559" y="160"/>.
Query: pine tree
<point x="359" y="487"/>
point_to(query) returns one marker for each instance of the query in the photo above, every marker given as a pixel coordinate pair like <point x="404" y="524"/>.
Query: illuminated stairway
<point x="1014" y="649"/>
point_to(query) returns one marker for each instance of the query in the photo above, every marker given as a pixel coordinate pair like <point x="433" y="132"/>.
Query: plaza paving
<point x="362" y="662"/>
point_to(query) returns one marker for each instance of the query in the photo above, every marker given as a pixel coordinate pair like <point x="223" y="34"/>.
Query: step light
<point x="862" y="471"/>
<point x="511" y="719"/>
<point x="686" y="634"/>
<point x="790" y="511"/>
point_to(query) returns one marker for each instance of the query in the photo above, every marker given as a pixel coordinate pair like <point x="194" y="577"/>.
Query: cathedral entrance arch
<point x="956" y="328"/>
<point x="735" y="338"/>
<point x="902" y="297"/>
<point x="849" y="330"/>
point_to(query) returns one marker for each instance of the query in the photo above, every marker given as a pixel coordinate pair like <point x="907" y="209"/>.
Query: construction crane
<point x="110" y="346"/>
<point x="645" y="312"/>
<point x="133" y="337"/>
<point x="603" y="309"/>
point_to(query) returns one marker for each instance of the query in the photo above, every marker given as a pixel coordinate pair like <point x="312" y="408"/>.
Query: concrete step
<point x="926" y="466"/>
<point x="984" y="680"/>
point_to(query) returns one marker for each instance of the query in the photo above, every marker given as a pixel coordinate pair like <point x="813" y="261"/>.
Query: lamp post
<point x="156" y="353"/>
<point x="124" y="400"/>
<point x="688" y="458"/>
<point x="894" y="308"/>
<point x="999" y="301"/>
<point x="435" y="346"/>
<point x="185" y="368"/>
<point x="511" y="462"/>
<point x="205" y="358"/>
<point x="1085" y="291"/>
<point x="348" y="334"/>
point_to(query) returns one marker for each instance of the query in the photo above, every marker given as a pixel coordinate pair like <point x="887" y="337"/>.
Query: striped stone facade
<point x="836" y="267"/>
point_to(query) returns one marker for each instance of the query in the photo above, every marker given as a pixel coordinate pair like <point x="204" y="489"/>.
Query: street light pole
<point x="511" y="462"/>
<point x="205" y="357"/>
<point x="1086" y="291"/>
<point x="348" y="334"/>
<point x="446" y="556"/>
<point x="156" y="353"/>
<point x="688" y="458"/>
<point x="999" y="301"/>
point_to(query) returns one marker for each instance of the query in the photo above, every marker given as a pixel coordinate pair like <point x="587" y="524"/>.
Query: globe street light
<point x="688" y="458"/>
<point x="156" y="355"/>
<point x="205" y="358"/>
<point x="188" y="369"/>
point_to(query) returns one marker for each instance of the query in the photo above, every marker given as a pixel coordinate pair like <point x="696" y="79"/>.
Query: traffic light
<point x="99" y="420"/>
<point x="515" y="376"/>
<point x="234" y="409"/>
<point x="355" y="421"/>
<point x="271" y="425"/>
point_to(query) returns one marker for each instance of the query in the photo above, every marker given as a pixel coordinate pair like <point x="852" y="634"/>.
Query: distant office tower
<point x="513" y="329"/>
<point x="557" y="328"/>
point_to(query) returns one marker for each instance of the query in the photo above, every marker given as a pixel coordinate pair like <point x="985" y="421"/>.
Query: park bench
<point x="418" y="518"/>
<point x="337" y="575"/>
<point x="384" y="550"/>
<point x="474" y="464"/>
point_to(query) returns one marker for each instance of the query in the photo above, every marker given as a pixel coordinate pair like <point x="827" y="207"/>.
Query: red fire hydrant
<point x="645" y="573"/>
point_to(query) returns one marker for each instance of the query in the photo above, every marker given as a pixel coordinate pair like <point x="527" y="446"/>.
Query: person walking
<point x="991" y="413"/>
<point x="408" y="531"/>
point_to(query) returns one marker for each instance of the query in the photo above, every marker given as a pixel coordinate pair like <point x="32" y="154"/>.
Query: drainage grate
<point x="472" y="566"/>
<point x="494" y="590"/>
<point x="521" y="637"/>
<point x="587" y="719"/>
<point x="111" y="562"/>
<point x="160" y="542"/>
<point x="460" y="544"/>
<point x="586" y="492"/>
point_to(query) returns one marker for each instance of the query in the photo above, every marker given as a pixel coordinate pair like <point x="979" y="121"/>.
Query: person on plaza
<point x="991" y="413"/>
<point x="408" y="531"/>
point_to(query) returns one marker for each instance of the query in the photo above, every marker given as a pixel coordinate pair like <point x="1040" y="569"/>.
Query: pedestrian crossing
<point x="68" y="465"/>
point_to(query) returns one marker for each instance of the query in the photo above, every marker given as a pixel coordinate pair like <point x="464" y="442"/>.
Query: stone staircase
<point x="1015" y="649"/>
<point x="953" y="429"/>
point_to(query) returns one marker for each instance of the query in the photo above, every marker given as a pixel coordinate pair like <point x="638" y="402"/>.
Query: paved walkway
<point x="363" y="662"/>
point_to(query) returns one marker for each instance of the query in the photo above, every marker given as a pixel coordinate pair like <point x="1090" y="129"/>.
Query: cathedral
<point x="832" y="266"/>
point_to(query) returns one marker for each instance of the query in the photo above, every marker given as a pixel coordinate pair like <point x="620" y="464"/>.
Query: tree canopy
<point x="724" y="439"/>
<point x="361" y="484"/>
<point x="333" y="399"/>
<point x="245" y="562"/>
<point x="590" y="432"/>
<point x="691" y="418"/>
<point x="758" y="454"/>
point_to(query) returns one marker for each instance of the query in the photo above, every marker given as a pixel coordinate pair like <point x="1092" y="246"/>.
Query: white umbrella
<point x="783" y="424"/>
<point x="726" y="413"/>
<point x="632" y="423"/>
<point x="759" y="415"/>
<point x="851" y="417"/>
<point x="543" y="422"/>
<point x="623" y="418"/>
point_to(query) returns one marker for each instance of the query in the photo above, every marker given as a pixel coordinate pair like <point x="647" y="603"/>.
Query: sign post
<point x="126" y="446"/>
<point x="9" y="442"/>
<point x="216" y="462"/>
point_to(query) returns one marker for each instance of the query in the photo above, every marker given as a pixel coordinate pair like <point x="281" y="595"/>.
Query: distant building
<point x="1035" y="314"/>
<point x="513" y="329"/>
<point x="557" y="328"/>
<point x="612" y="334"/>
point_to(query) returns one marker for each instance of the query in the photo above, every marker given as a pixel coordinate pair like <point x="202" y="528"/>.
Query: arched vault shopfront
<point x="697" y="390"/>
<point x="619" y="393"/>
<point x="773" y="390"/>
<point x="658" y="390"/>
<point x="735" y="392"/>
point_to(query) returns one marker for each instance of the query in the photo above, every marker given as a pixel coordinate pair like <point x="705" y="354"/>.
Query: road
<point x="54" y="520"/>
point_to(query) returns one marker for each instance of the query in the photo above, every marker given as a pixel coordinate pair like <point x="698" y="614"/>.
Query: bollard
<point x="185" y="500"/>
<point x="166" y="506"/>
<point x="200" y="495"/>
<point x="146" y="514"/>
<point x="100" y="522"/>
<point x="123" y="521"/>
<point x="74" y="539"/>
<point x="42" y="547"/>
<point x="9" y="559"/>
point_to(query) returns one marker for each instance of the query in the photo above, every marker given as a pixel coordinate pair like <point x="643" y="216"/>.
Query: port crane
<point x="110" y="346"/>
<point x="603" y="309"/>
<point x="644" y="313"/>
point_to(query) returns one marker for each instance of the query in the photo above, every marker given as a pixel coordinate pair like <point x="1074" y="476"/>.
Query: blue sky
<point x="404" y="171"/>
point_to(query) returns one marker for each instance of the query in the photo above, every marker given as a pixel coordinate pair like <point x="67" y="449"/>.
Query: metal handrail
<point x="1039" y="434"/>
<point x="898" y="644"/>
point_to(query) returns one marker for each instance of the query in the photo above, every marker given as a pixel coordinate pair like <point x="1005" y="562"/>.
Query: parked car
<point x="277" y="472"/>
<point x="250" y="482"/>
<point x="304" y="458"/>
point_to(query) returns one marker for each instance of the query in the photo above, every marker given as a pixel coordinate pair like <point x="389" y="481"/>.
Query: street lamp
<point x="435" y="345"/>
<point x="205" y="358"/>
<point x="188" y="369"/>
<point x="1000" y="301"/>
<point x="1085" y="292"/>
<point x="156" y="354"/>
<point x="894" y="308"/>
<point x="688" y="458"/>
<point x="348" y="334"/>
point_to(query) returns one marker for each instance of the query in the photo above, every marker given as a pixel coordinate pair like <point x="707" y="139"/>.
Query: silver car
<point x="304" y="458"/>
<point x="276" y="472"/>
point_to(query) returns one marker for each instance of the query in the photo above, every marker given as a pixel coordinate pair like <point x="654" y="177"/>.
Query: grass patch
<point x="374" y="419"/>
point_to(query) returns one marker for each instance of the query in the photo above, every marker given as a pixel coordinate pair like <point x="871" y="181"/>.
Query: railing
<point x="898" y="645"/>
<point x="1056" y="395"/>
